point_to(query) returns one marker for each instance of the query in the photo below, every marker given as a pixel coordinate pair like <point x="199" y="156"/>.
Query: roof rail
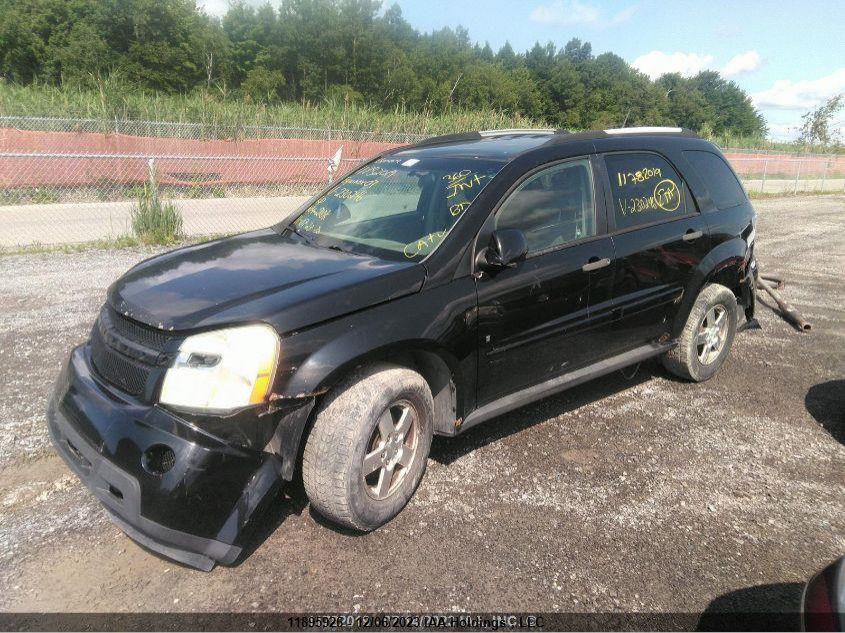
<point x="645" y="130"/>
<point x="448" y="138"/>
<point x="517" y="130"/>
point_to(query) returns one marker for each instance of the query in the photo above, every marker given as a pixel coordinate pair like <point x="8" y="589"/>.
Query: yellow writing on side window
<point x="636" y="177"/>
<point x="665" y="197"/>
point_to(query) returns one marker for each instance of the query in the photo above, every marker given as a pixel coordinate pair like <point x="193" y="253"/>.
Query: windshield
<point x="395" y="208"/>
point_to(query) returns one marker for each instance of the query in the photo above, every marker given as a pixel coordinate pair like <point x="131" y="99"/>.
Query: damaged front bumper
<point x="170" y="484"/>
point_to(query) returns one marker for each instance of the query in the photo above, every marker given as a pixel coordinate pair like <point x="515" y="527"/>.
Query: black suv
<point x="437" y="286"/>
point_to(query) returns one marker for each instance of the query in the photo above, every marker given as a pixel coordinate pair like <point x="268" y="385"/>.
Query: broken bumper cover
<point x="173" y="487"/>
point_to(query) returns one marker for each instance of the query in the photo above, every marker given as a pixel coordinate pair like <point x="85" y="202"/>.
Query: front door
<point x="533" y="319"/>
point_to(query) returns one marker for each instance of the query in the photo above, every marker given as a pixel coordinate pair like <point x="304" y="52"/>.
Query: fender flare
<point x="728" y="260"/>
<point x="341" y="346"/>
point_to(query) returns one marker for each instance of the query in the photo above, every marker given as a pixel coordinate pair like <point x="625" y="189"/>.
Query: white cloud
<point x="742" y="63"/>
<point x="783" y="131"/>
<point x="658" y="63"/>
<point x="801" y="95"/>
<point x="565" y="13"/>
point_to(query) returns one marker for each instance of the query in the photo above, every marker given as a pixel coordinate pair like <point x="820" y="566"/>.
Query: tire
<point x="349" y="427"/>
<point x="695" y="358"/>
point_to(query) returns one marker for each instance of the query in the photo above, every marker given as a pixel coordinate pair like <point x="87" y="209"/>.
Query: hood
<point x="257" y="276"/>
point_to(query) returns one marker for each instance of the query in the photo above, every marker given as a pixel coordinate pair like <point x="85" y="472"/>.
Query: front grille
<point x="137" y="332"/>
<point x="116" y="368"/>
<point x="113" y="338"/>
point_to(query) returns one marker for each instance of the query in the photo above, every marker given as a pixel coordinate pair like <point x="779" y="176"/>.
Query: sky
<point x="789" y="55"/>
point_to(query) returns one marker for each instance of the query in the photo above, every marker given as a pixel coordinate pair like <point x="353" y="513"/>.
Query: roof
<point x="479" y="145"/>
<point x="506" y="144"/>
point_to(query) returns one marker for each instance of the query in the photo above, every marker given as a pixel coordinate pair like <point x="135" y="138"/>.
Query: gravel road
<point x="648" y="494"/>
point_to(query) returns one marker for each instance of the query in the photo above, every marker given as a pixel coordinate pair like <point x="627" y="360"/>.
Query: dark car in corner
<point x="437" y="286"/>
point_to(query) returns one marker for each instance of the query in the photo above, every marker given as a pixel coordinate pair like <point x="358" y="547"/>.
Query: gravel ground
<point x="647" y="494"/>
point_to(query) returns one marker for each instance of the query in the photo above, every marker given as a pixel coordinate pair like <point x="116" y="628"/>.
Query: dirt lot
<point x="647" y="494"/>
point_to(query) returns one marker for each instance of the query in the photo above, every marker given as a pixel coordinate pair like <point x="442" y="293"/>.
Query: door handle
<point x="595" y="264"/>
<point x="691" y="235"/>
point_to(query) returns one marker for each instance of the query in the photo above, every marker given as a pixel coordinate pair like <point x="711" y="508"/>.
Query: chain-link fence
<point x="778" y="173"/>
<point x="77" y="180"/>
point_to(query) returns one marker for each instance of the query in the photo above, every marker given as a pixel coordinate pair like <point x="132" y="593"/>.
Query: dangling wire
<point x="633" y="373"/>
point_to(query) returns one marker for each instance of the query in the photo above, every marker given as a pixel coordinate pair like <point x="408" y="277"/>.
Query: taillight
<point x="823" y="603"/>
<point x="819" y="614"/>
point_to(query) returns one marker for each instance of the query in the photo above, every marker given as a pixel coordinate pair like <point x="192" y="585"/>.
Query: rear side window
<point x="645" y="189"/>
<point x="720" y="181"/>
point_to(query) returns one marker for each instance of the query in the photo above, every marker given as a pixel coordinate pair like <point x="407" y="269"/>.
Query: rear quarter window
<point x="645" y="189"/>
<point x="724" y="188"/>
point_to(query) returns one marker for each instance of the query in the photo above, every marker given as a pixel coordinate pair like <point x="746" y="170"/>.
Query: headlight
<point x="223" y="369"/>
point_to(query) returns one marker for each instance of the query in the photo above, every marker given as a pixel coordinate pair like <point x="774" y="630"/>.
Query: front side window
<point x="645" y="189"/>
<point x="395" y="208"/>
<point x="553" y="207"/>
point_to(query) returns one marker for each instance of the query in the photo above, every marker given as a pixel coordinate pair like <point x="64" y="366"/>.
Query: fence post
<point x="151" y="172"/>
<point x="765" y="170"/>
<point x="824" y="174"/>
<point x="797" y="173"/>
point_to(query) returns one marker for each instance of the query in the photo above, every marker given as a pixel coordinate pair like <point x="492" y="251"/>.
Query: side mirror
<point x="506" y="249"/>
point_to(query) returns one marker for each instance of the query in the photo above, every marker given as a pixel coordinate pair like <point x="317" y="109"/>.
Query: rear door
<point x="659" y="237"/>
<point x="533" y="319"/>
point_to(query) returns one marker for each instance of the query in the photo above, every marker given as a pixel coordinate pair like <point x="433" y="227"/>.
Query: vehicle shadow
<point x="445" y="450"/>
<point x="826" y="403"/>
<point x="289" y="500"/>
<point x="773" y="607"/>
<point x="292" y="500"/>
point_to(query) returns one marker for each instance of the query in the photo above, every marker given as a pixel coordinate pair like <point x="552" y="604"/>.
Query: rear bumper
<point x="196" y="510"/>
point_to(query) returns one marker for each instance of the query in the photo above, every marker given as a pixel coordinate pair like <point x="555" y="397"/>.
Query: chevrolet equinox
<point x="435" y="287"/>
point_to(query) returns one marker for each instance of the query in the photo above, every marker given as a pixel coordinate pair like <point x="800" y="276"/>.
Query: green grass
<point x="155" y="221"/>
<point x="224" y="116"/>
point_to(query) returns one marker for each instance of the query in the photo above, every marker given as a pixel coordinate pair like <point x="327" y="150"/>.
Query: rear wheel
<point x="707" y="336"/>
<point x="367" y="450"/>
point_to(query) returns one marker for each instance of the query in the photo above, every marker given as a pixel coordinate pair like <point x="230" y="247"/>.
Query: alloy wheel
<point x="391" y="450"/>
<point x="712" y="334"/>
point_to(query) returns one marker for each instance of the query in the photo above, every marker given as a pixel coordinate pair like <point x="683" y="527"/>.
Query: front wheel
<point x="367" y="451"/>
<point x="707" y="336"/>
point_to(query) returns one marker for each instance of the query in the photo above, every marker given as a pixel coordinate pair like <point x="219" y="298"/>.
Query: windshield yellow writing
<point x="374" y="170"/>
<point x="423" y="244"/>
<point x="307" y="224"/>
<point x="344" y="192"/>
<point x="460" y="180"/>
<point x="457" y="209"/>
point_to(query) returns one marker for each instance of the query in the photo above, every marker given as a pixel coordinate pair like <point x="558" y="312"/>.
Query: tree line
<point x="350" y="51"/>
